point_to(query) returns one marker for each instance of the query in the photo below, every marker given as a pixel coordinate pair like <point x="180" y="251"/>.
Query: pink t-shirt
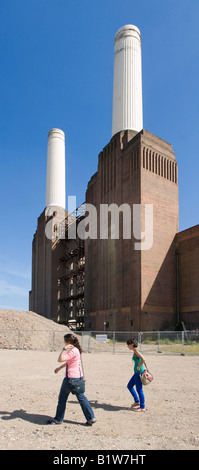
<point x="73" y="368"/>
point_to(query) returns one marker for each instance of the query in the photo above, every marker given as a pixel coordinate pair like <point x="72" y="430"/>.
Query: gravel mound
<point x="28" y="330"/>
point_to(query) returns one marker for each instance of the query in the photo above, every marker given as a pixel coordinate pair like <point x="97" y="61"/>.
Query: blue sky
<point x="56" y="70"/>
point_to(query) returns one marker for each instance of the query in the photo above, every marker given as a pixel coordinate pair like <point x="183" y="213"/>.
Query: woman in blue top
<point x="138" y="358"/>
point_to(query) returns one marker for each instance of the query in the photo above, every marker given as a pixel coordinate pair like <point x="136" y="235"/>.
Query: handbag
<point x="77" y="385"/>
<point x="146" y="377"/>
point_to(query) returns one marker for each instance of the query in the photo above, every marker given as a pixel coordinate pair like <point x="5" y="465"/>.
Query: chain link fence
<point x="150" y="342"/>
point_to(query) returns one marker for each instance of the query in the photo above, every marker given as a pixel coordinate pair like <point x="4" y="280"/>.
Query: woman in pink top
<point x="71" y="356"/>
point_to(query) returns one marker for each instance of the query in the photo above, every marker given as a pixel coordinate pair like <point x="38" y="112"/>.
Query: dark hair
<point x="133" y="342"/>
<point x="72" y="339"/>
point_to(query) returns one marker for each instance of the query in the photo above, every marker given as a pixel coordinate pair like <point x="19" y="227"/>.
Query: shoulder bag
<point x="77" y="385"/>
<point x="146" y="377"/>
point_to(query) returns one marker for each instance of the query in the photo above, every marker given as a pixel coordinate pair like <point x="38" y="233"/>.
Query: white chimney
<point x="55" y="180"/>
<point x="127" y="84"/>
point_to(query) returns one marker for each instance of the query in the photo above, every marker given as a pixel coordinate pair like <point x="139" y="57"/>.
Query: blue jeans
<point x="63" y="396"/>
<point x="135" y="381"/>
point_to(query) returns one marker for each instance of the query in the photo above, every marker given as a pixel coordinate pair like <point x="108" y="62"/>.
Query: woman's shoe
<point x="53" y="421"/>
<point x="139" y="410"/>
<point x="135" y="404"/>
<point x="91" y="421"/>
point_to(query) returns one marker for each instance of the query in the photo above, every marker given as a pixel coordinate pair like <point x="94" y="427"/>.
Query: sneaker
<point x="91" y="421"/>
<point x="53" y="421"/>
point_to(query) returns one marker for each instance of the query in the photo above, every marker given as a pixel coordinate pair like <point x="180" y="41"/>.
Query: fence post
<point x="53" y="345"/>
<point x="140" y="339"/>
<point x="82" y="341"/>
<point x="158" y="342"/>
<point x="182" y="353"/>
<point x="18" y="340"/>
<point x="113" y="342"/>
<point x="89" y="342"/>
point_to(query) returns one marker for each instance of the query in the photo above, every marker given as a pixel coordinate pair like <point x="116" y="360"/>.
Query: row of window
<point x="152" y="161"/>
<point x="160" y="165"/>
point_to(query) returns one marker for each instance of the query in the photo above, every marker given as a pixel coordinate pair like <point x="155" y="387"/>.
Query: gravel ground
<point x="29" y="392"/>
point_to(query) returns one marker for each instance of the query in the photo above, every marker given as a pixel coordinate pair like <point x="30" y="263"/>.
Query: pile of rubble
<point x="28" y="330"/>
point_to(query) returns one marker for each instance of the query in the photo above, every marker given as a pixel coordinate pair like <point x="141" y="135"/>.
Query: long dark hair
<point x="72" y="339"/>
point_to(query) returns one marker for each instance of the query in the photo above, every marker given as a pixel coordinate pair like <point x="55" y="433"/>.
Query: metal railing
<point x="149" y="342"/>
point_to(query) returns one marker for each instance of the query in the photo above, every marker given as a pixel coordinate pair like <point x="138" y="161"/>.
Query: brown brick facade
<point x="46" y="272"/>
<point x="129" y="289"/>
<point x="132" y="289"/>
<point x="187" y="254"/>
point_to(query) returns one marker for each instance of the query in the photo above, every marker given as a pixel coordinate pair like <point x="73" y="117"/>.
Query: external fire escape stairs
<point x="74" y="253"/>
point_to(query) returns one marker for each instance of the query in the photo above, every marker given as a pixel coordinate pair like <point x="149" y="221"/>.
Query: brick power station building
<point x="89" y="282"/>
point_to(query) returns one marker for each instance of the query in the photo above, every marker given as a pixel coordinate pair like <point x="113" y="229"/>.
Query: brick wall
<point x="188" y="276"/>
<point x="128" y="288"/>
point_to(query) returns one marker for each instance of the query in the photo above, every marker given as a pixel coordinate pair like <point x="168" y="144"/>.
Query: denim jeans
<point x="63" y="396"/>
<point x="135" y="381"/>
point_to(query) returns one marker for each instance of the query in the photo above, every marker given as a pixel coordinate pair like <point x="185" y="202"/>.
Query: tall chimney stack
<point x="127" y="83"/>
<point x="55" y="180"/>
